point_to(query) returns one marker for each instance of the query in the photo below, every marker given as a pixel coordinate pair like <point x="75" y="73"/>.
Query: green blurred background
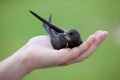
<point x="17" y="26"/>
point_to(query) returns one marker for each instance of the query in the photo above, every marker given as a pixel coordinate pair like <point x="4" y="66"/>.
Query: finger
<point x="100" y="35"/>
<point x="97" y="32"/>
<point x="99" y="38"/>
<point x="77" y="51"/>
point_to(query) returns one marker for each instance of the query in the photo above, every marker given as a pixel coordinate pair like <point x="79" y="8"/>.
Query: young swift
<point x="60" y="38"/>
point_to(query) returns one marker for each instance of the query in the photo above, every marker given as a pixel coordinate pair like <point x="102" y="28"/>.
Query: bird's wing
<point x="46" y="27"/>
<point x="47" y="23"/>
<point x="49" y="29"/>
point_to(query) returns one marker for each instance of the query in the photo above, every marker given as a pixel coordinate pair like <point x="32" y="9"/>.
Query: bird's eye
<point x="70" y="33"/>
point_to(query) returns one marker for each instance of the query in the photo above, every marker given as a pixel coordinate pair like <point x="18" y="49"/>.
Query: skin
<point x="38" y="53"/>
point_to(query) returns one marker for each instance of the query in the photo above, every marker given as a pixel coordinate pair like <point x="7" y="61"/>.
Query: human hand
<point x="40" y="53"/>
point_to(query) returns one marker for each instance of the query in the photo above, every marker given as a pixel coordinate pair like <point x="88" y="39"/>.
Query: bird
<point x="60" y="38"/>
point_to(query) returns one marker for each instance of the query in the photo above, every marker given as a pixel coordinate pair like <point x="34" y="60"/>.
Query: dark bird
<point x="60" y="38"/>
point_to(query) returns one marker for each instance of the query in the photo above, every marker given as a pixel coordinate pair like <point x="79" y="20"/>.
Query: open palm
<point x="41" y="54"/>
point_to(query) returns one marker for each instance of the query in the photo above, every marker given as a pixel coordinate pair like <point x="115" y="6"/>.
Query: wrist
<point x="15" y="67"/>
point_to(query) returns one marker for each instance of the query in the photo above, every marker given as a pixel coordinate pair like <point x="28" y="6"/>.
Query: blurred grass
<point x="17" y="26"/>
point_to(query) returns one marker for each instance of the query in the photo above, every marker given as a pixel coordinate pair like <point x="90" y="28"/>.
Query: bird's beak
<point x="67" y="37"/>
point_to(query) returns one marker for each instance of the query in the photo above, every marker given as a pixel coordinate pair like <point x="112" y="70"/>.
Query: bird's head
<point x="72" y="35"/>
